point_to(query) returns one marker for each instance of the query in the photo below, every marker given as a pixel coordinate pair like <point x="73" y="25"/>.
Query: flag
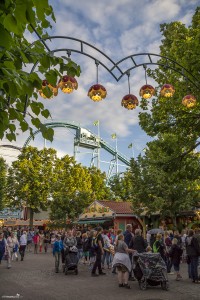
<point x="96" y="123"/>
<point x="114" y="136"/>
<point x="130" y="146"/>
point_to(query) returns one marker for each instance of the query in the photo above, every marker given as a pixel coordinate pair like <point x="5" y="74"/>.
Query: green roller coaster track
<point x="100" y="142"/>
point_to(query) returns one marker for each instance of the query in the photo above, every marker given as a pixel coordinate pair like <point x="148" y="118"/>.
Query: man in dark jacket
<point x="193" y="252"/>
<point x="99" y="252"/>
<point x="128" y="234"/>
<point x="138" y="243"/>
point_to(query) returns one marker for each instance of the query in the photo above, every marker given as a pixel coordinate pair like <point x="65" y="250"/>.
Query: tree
<point x="120" y="187"/>
<point x="18" y="88"/>
<point x="166" y="179"/>
<point x="30" y="179"/>
<point x="180" y="44"/>
<point x="71" y="191"/>
<point x="163" y="184"/>
<point x="98" y="184"/>
<point x="3" y="172"/>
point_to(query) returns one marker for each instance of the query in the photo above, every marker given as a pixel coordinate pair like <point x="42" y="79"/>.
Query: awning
<point x="93" y="221"/>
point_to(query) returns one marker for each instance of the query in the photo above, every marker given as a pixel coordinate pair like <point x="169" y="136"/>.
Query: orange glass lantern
<point x="167" y="90"/>
<point x="147" y="91"/>
<point x="130" y="101"/>
<point x="189" y="101"/>
<point x="68" y="84"/>
<point x="97" y="92"/>
<point x="54" y="90"/>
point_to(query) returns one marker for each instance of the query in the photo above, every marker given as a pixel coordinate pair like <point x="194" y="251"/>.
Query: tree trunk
<point x="31" y="218"/>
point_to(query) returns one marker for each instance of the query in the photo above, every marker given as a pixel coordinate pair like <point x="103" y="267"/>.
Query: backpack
<point x="94" y="244"/>
<point x="86" y="245"/>
<point x="156" y="247"/>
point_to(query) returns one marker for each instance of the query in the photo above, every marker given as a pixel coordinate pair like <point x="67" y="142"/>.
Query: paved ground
<point x="35" y="279"/>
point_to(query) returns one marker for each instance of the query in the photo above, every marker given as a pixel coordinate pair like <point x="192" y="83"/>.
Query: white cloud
<point x="117" y="28"/>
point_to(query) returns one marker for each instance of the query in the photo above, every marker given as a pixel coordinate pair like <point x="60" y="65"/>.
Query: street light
<point x="97" y="92"/>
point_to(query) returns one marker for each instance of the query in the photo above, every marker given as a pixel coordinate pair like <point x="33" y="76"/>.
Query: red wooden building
<point x="110" y="214"/>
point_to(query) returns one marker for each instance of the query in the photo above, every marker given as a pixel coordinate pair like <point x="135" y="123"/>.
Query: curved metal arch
<point x="51" y="125"/>
<point x="116" y="65"/>
<point x="12" y="147"/>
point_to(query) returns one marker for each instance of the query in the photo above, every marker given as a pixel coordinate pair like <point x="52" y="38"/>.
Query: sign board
<point x="7" y="213"/>
<point x="96" y="210"/>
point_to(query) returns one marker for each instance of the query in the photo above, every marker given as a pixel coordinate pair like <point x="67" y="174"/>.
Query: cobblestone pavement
<point x="35" y="279"/>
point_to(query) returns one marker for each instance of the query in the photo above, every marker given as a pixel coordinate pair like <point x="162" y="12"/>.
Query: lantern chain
<point x="97" y="65"/>
<point x="128" y="74"/>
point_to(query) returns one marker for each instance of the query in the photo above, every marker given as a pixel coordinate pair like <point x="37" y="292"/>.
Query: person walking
<point x="23" y="243"/>
<point x="158" y="246"/>
<point x="2" y="246"/>
<point x="79" y="245"/>
<point x="137" y="242"/>
<point x="107" y="245"/>
<point x="36" y="240"/>
<point x="30" y="235"/>
<point x="46" y="241"/>
<point x="41" y="240"/>
<point x="128" y="235"/>
<point x="193" y="252"/>
<point x="122" y="261"/>
<point x="57" y="248"/>
<point x="98" y="246"/>
<point x="175" y="254"/>
<point x="168" y="245"/>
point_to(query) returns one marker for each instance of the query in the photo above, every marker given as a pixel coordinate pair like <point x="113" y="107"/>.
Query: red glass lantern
<point x="54" y="90"/>
<point x="97" y="92"/>
<point x="67" y="84"/>
<point x="189" y="101"/>
<point x="147" y="91"/>
<point x="167" y="90"/>
<point x="130" y="101"/>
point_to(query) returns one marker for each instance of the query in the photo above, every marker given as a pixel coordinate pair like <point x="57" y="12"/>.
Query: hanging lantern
<point x="167" y="90"/>
<point x="130" y="101"/>
<point x="147" y="91"/>
<point x="97" y="92"/>
<point x="54" y="90"/>
<point x="189" y="101"/>
<point x="67" y="84"/>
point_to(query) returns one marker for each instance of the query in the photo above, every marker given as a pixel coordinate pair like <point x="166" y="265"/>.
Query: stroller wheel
<point x="143" y="285"/>
<point x="76" y="271"/>
<point x="165" y="285"/>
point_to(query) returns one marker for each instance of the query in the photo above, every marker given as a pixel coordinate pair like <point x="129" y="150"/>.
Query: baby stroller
<point x="150" y="269"/>
<point x="71" y="260"/>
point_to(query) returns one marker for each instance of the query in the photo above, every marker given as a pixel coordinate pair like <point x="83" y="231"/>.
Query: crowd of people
<point x="101" y="248"/>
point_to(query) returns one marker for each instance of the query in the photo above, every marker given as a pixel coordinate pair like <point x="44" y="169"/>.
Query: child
<point x="175" y="254"/>
<point x="57" y="248"/>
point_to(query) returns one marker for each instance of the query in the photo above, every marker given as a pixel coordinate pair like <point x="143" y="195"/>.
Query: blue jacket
<point x="57" y="247"/>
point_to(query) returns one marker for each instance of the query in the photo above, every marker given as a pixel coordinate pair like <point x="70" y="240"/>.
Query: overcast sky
<point x="118" y="28"/>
